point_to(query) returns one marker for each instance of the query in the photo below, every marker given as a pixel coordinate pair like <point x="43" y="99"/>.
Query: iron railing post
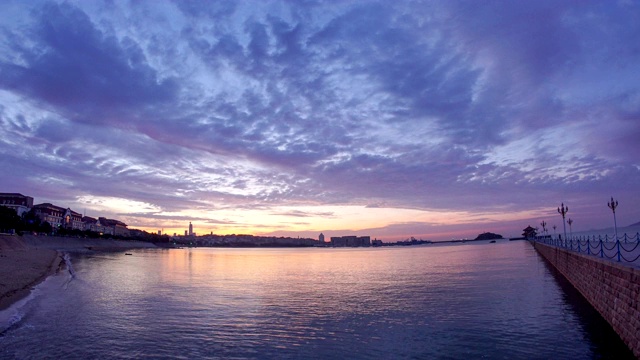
<point x="601" y="246"/>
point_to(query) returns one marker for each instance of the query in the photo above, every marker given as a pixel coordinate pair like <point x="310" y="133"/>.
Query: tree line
<point x="11" y="222"/>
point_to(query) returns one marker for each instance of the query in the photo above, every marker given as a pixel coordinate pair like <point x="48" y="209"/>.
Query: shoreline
<point x="26" y="261"/>
<point x="22" y="269"/>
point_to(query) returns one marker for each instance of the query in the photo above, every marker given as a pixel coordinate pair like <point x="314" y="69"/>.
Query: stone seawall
<point x="612" y="289"/>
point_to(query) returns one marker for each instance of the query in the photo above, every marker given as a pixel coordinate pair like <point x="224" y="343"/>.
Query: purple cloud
<point x="436" y="106"/>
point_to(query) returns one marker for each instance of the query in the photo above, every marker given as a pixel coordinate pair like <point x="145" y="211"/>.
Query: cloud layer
<point x="274" y="109"/>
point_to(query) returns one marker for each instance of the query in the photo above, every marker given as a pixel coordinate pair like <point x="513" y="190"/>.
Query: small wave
<point x="10" y="321"/>
<point x="67" y="262"/>
<point x="70" y="269"/>
<point x="12" y="317"/>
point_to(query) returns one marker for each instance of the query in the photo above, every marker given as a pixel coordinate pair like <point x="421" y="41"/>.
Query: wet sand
<point x="25" y="261"/>
<point x="22" y="267"/>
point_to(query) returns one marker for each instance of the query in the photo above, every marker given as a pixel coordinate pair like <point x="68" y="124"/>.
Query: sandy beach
<point x="25" y="261"/>
<point x="22" y="267"/>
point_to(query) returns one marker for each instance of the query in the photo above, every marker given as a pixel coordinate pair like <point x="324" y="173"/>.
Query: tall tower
<point x="190" y="229"/>
<point x="321" y="238"/>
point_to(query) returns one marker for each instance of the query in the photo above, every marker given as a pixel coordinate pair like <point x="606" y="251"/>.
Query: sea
<point x="476" y="300"/>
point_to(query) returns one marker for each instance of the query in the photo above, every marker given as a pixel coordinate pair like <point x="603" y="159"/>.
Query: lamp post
<point x="554" y="230"/>
<point x="570" y="230"/>
<point x="544" y="227"/>
<point x="613" y="204"/>
<point x="563" y="210"/>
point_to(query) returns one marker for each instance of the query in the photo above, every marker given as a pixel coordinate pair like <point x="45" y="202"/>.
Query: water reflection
<point x="463" y="301"/>
<point x="597" y="332"/>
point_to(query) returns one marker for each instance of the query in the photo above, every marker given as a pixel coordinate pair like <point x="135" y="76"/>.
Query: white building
<point x="20" y="203"/>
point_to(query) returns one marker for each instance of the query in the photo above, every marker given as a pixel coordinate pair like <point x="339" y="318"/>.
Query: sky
<point x="432" y="119"/>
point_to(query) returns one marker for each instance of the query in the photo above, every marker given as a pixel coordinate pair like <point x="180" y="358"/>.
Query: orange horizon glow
<point x="346" y="220"/>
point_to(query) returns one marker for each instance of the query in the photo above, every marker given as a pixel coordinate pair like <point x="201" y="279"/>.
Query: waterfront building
<point x="91" y="224"/>
<point x="114" y="227"/>
<point x="321" y="238"/>
<point x="529" y="233"/>
<point x="350" y="241"/>
<point x="105" y="226"/>
<point x="337" y="241"/>
<point x="59" y="217"/>
<point x="190" y="229"/>
<point x="20" y="203"/>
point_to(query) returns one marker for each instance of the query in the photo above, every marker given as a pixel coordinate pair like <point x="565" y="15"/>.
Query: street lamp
<point x="570" y="230"/>
<point x="613" y="204"/>
<point x="544" y="228"/>
<point x="554" y="231"/>
<point x="563" y="210"/>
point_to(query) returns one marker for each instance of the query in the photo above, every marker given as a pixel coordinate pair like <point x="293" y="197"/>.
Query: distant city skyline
<point x="431" y="119"/>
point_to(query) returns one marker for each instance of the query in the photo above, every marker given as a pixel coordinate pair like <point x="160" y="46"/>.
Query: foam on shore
<point x="25" y="261"/>
<point x="23" y="268"/>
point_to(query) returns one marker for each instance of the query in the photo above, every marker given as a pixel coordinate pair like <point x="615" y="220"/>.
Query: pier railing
<point x="624" y="249"/>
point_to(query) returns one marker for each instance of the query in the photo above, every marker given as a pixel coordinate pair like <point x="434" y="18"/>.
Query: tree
<point x="9" y="219"/>
<point x="31" y="221"/>
<point x="46" y="228"/>
<point x="488" y="236"/>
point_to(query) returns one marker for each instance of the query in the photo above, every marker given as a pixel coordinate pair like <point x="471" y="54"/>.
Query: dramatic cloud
<point x="394" y="118"/>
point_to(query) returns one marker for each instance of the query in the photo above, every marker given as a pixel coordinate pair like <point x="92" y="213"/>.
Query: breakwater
<point x="611" y="288"/>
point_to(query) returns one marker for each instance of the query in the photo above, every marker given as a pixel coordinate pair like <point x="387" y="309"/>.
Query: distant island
<point x="488" y="236"/>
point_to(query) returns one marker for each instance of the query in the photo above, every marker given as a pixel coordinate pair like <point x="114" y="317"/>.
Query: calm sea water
<point x="494" y="301"/>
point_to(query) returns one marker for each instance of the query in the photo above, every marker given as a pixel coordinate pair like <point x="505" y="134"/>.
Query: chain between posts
<point x="596" y="246"/>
